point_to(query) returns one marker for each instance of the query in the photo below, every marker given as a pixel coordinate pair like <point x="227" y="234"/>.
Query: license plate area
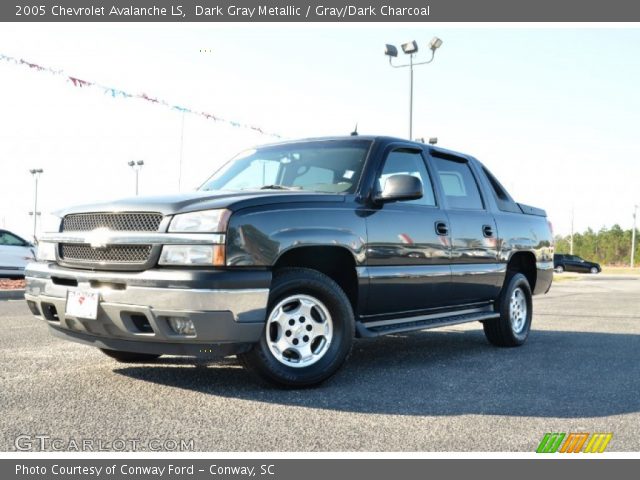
<point x="82" y="304"/>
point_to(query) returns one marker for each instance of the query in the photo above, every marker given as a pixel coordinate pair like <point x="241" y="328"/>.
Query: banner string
<point x="116" y="92"/>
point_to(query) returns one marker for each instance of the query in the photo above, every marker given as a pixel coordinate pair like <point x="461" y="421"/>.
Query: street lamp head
<point x="33" y="171"/>
<point x="433" y="140"/>
<point x="140" y="162"/>
<point x="131" y="163"/>
<point x="390" y="50"/>
<point x="410" y="47"/>
<point x="435" y="44"/>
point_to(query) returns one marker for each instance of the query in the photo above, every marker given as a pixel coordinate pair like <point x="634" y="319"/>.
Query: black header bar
<point x="319" y="11"/>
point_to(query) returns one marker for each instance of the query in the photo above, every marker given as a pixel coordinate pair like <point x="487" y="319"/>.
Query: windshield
<point x="319" y="166"/>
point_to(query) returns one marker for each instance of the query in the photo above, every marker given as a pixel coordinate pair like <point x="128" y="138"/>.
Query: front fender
<point x="260" y="238"/>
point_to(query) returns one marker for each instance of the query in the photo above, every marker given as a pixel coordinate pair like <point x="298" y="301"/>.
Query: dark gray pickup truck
<point x="289" y="251"/>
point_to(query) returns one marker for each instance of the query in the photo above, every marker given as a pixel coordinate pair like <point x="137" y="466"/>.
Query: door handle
<point x="487" y="230"/>
<point x="442" y="228"/>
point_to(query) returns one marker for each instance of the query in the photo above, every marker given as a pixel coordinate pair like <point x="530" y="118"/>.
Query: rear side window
<point x="458" y="184"/>
<point x="498" y="189"/>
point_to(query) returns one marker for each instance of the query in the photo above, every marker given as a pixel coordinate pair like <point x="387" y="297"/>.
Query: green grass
<point x="565" y="277"/>
<point x="620" y="270"/>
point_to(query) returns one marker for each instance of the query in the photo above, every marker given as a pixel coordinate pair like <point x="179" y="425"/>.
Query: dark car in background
<point x="563" y="262"/>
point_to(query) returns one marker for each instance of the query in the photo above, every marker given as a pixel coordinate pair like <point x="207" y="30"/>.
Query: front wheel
<point x="308" y="332"/>
<point x="511" y="329"/>
<point x="594" y="270"/>
<point x="559" y="269"/>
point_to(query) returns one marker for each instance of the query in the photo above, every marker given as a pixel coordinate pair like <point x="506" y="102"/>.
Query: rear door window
<point x="458" y="184"/>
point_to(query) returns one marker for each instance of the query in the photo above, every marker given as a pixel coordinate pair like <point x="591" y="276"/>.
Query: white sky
<point x="553" y="112"/>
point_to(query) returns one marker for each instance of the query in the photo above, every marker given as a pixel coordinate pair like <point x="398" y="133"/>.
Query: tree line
<point x="608" y="246"/>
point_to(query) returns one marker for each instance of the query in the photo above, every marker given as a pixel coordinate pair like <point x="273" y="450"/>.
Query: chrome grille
<point x="119" y="254"/>
<point x="125" y="222"/>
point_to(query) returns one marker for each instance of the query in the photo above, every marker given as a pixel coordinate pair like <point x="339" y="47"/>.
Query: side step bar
<point x="423" y="322"/>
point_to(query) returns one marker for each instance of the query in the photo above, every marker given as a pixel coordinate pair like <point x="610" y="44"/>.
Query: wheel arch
<point x="336" y="262"/>
<point x="525" y="263"/>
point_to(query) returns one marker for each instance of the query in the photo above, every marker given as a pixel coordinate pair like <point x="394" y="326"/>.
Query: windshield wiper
<point x="278" y="187"/>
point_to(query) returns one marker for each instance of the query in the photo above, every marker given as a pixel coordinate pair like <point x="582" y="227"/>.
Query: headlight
<point x="203" y="221"/>
<point x="46" y="252"/>
<point x="192" y="255"/>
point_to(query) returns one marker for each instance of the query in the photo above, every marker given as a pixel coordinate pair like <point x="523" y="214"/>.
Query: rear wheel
<point x="129" y="357"/>
<point x="308" y="332"/>
<point x="511" y="329"/>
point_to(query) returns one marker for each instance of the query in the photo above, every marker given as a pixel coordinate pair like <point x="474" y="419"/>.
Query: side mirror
<point x="400" y="187"/>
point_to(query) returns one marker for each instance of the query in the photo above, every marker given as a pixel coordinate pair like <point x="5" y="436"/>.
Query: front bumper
<point x="227" y="308"/>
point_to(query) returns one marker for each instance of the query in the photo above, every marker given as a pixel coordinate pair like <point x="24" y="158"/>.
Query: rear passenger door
<point x="473" y="231"/>
<point x="407" y="260"/>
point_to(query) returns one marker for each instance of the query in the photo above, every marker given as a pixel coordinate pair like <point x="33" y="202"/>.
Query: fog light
<point x="33" y="306"/>
<point x="182" y="326"/>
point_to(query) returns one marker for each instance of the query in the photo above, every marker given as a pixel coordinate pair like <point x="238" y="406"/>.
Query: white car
<point x="15" y="253"/>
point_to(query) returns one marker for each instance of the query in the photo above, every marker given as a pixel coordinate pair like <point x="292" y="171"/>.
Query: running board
<point x="423" y="322"/>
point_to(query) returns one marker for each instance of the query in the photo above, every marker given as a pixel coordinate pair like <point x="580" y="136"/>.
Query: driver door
<point x="407" y="258"/>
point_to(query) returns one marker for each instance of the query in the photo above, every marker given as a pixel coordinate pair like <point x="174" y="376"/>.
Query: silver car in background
<point x="15" y="253"/>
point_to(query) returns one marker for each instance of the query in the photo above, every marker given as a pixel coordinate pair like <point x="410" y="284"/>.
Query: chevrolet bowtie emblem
<point x="99" y="238"/>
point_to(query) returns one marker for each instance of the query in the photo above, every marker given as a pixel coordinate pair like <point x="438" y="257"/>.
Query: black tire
<point x="302" y="282"/>
<point x="130" y="357"/>
<point x="560" y="268"/>
<point x="511" y="329"/>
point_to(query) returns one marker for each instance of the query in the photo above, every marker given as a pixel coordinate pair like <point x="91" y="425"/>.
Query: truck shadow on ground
<point x="556" y="374"/>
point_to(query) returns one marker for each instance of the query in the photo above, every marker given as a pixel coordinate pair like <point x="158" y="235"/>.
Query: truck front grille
<point x="115" y="254"/>
<point x="121" y="221"/>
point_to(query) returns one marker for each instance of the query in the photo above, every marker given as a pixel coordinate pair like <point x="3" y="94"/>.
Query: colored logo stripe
<point x="574" y="442"/>
<point x="550" y="443"/>
<point x="598" y="442"/>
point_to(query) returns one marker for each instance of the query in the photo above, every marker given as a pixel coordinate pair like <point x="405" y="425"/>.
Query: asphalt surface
<point x="438" y="390"/>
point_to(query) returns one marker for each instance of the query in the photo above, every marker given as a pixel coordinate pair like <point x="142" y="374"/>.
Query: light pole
<point x="136" y="166"/>
<point x="36" y="172"/>
<point x="411" y="48"/>
<point x="633" y="236"/>
<point x="571" y="244"/>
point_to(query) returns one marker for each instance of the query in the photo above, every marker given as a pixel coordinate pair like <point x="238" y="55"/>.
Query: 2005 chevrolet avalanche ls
<point x="289" y="251"/>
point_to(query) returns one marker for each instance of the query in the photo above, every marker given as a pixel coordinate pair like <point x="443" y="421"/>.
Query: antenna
<point x="355" y="131"/>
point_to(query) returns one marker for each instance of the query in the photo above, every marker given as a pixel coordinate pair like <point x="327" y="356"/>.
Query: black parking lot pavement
<point x="439" y="390"/>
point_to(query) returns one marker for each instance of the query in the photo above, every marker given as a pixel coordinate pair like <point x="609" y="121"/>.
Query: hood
<point x="203" y="200"/>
